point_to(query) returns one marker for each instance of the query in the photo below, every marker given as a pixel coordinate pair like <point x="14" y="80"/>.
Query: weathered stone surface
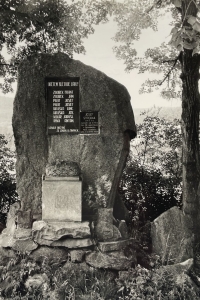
<point x="24" y="245"/>
<point x="177" y="269"/>
<point x="73" y="243"/>
<point x="6" y="239"/>
<point x="21" y="233"/>
<point x="97" y="155"/>
<point x="62" y="169"/>
<point x="114" y="246"/>
<point x="67" y="243"/>
<point x="24" y="218"/>
<point x="61" y="199"/>
<point x="57" y="230"/>
<point x="115" y="260"/>
<point x="170" y="236"/>
<point x="107" y="232"/>
<point x="180" y="274"/>
<point x="52" y="255"/>
<point x="77" y="256"/>
<point x="12" y="218"/>
<point x="123" y="229"/>
<point x="105" y="215"/>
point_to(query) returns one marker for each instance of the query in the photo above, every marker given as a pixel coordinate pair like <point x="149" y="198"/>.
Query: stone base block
<point x="114" y="245"/>
<point x="67" y="243"/>
<point x="61" y="199"/>
<point x="54" y="231"/>
<point x="107" y="232"/>
<point x="24" y="245"/>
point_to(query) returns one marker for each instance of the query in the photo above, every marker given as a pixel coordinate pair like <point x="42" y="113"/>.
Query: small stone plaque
<point x="61" y="199"/>
<point x="89" y="122"/>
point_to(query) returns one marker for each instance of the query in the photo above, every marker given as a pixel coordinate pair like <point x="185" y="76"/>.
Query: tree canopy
<point x="38" y="26"/>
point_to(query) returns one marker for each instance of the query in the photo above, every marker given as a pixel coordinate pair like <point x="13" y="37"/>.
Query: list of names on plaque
<point x="89" y="122"/>
<point x="62" y="104"/>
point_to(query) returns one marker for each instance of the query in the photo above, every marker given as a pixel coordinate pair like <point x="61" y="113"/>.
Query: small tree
<point x="8" y="194"/>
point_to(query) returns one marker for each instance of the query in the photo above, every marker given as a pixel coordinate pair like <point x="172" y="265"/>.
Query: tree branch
<point x="172" y="68"/>
<point x="153" y="6"/>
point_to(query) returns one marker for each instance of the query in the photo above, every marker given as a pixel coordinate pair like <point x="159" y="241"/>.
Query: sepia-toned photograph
<point x="99" y="150"/>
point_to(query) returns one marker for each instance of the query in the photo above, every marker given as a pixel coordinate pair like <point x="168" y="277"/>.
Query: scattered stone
<point x="171" y="239"/>
<point x="107" y="232"/>
<point x="21" y="233"/>
<point x="70" y="267"/>
<point x="24" y="245"/>
<point x="179" y="268"/>
<point x="52" y="255"/>
<point x="37" y="281"/>
<point x="114" y="246"/>
<point x="6" y="239"/>
<point x="123" y="229"/>
<point x="55" y="231"/>
<point x="180" y="274"/>
<point x="114" y="260"/>
<point x="77" y="256"/>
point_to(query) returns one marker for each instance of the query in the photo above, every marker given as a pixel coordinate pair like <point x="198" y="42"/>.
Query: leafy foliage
<point x="141" y="283"/>
<point x="26" y="278"/>
<point x="133" y="17"/>
<point x="152" y="181"/>
<point x="34" y="26"/>
<point x="8" y="194"/>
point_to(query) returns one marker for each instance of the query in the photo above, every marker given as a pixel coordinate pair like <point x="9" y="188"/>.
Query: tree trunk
<point x="190" y="133"/>
<point x="190" y="129"/>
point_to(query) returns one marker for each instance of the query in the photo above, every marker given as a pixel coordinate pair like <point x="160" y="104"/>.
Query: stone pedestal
<point x="61" y="199"/>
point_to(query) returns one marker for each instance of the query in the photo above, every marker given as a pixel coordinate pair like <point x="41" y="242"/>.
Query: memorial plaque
<point x="62" y="104"/>
<point x="61" y="199"/>
<point x="89" y="122"/>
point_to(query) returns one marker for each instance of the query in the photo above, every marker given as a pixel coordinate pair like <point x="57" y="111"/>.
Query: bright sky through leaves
<point x="99" y="54"/>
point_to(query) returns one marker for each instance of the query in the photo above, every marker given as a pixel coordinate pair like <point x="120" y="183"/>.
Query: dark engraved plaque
<point x="62" y="104"/>
<point x="89" y="122"/>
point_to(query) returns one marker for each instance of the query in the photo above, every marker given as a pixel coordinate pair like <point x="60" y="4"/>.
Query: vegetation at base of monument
<point x="95" y="197"/>
<point x="25" y="278"/>
<point x="152" y="181"/>
<point x="8" y="194"/>
<point x="35" y="26"/>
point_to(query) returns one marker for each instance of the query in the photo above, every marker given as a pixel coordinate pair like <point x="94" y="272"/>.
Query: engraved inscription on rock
<point x="62" y="199"/>
<point x="89" y="122"/>
<point x="62" y="95"/>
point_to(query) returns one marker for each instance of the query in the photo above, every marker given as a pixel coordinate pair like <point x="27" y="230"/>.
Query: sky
<point x="99" y="54"/>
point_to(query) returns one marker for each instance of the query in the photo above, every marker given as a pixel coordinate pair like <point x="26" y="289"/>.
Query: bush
<point x="8" y="194"/>
<point x="151" y="182"/>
